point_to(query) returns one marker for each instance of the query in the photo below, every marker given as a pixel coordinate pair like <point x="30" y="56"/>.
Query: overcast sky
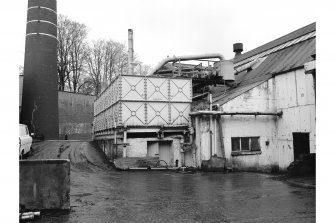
<point x="182" y="27"/>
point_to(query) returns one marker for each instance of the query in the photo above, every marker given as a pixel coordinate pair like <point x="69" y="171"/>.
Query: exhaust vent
<point x="238" y="49"/>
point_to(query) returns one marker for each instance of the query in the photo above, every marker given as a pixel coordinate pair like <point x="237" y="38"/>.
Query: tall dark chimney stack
<point x="40" y="83"/>
<point x="237" y="48"/>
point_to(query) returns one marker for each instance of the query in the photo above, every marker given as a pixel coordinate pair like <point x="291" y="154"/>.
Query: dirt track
<point x="78" y="152"/>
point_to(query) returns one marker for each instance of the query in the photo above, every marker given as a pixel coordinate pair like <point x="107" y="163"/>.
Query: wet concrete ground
<point x="101" y="194"/>
<point x="173" y="197"/>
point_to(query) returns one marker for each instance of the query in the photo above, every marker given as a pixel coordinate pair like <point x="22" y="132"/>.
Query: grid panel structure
<point x="143" y="101"/>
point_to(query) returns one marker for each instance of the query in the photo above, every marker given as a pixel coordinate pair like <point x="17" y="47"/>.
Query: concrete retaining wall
<point x="45" y="184"/>
<point x="75" y="115"/>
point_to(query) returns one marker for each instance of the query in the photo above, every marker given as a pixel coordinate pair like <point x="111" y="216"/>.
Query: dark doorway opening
<point x="300" y="144"/>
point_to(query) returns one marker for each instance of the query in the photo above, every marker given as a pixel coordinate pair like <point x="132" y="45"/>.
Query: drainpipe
<point x="215" y="152"/>
<point x="124" y="143"/>
<point x="130" y="52"/>
<point x="221" y="135"/>
<point x="210" y="126"/>
<point x="115" y="144"/>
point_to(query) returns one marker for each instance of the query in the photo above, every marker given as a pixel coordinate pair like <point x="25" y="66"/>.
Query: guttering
<point x="279" y="114"/>
<point x="183" y="58"/>
<point x="200" y="96"/>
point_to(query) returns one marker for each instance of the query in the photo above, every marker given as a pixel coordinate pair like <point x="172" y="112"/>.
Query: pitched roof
<point x="292" y="57"/>
<point x="293" y="35"/>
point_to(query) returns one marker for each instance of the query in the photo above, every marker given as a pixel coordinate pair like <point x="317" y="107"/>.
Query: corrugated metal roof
<point x="275" y="49"/>
<point x="293" y="35"/>
<point x="284" y="60"/>
<point x="225" y="96"/>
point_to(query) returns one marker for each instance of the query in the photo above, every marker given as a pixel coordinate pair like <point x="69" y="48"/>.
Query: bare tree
<point x="141" y="69"/>
<point x="88" y="67"/>
<point x="95" y="62"/>
<point x="72" y="38"/>
<point x="115" y="59"/>
<point x="106" y="59"/>
<point x="64" y="45"/>
<point x="78" y="53"/>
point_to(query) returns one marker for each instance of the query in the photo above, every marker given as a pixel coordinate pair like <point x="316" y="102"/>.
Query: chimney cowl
<point x="237" y="47"/>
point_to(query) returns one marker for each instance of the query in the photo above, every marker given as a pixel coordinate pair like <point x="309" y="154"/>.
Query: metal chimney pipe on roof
<point x="237" y="49"/>
<point x="130" y="52"/>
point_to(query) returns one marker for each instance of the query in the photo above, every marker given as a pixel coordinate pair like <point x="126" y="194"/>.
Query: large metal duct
<point x="40" y="84"/>
<point x="183" y="58"/>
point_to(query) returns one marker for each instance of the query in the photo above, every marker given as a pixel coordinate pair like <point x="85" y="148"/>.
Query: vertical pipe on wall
<point x="210" y="127"/>
<point x="215" y="137"/>
<point x="115" y="144"/>
<point x="220" y="133"/>
<point x="124" y="143"/>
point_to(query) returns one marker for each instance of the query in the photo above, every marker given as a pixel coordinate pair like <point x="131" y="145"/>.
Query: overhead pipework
<point x="185" y="58"/>
<point x="279" y="114"/>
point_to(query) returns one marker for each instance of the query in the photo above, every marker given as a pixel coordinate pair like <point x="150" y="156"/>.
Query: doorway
<point x="300" y="144"/>
<point x="160" y="149"/>
<point x="164" y="151"/>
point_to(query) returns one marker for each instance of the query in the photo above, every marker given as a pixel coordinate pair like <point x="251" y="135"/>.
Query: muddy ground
<point x="101" y="194"/>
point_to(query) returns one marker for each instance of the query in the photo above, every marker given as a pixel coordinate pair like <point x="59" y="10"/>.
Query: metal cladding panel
<point x="180" y="90"/>
<point x="107" y="119"/>
<point x="107" y="98"/>
<point x="158" y="89"/>
<point x="180" y="113"/>
<point x="133" y="113"/>
<point x="133" y="88"/>
<point x="158" y="113"/>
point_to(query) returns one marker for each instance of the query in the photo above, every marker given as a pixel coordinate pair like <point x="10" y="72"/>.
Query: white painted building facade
<point x="278" y="84"/>
<point x="293" y="94"/>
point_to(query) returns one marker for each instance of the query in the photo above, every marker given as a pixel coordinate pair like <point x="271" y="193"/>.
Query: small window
<point x="235" y="144"/>
<point x="245" y="144"/>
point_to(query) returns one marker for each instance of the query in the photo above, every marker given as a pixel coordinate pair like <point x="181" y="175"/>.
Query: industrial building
<point x="266" y="120"/>
<point x="255" y="111"/>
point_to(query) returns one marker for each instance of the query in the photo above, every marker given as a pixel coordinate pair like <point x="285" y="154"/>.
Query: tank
<point x="143" y="101"/>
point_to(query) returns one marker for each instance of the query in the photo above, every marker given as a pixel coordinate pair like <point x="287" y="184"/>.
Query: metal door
<point x="152" y="149"/>
<point x="165" y="152"/>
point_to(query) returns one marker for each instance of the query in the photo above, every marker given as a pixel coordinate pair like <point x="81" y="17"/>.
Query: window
<point x="245" y="144"/>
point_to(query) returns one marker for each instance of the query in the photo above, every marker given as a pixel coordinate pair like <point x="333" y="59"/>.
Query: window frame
<point x="241" y="150"/>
